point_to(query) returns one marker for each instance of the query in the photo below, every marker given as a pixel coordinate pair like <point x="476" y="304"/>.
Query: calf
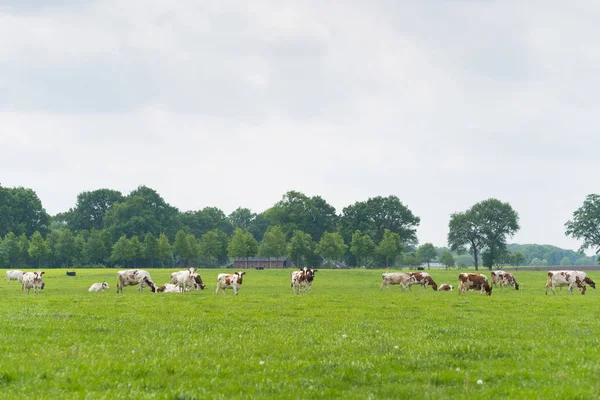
<point x="230" y="281"/>
<point x="168" y="288"/>
<point x="397" y="278"/>
<point x="99" y="287"/>
<point x="134" y="277"/>
<point x="473" y="282"/>
<point x="423" y="279"/>
<point x="302" y="280"/>
<point x="570" y="279"/>
<point x="187" y="279"/>
<point x="444" y="287"/>
<point x="14" y="275"/>
<point x="33" y="280"/>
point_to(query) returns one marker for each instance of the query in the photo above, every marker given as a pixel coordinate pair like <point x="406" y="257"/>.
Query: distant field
<point x="344" y="339"/>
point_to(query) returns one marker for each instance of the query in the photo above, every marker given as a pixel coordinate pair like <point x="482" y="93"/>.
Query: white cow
<point x="168" y="288"/>
<point x="230" y="281"/>
<point x="397" y="278"/>
<point x="186" y="280"/>
<point x="134" y="277"/>
<point x="99" y="287"/>
<point x="33" y="280"/>
<point x="569" y="278"/>
<point x="14" y="275"/>
<point x="302" y="280"/>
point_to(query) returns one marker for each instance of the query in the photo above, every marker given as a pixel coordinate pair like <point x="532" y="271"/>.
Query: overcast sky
<point x="233" y="103"/>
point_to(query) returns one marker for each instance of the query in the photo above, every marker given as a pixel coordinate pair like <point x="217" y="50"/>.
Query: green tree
<point x="464" y="231"/>
<point x="21" y="212"/>
<point x="585" y="224"/>
<point x="361" y="246"/>
<point x="192" y="248"/>
<point x="136" y="250"/>
<point x="165" y="250"/>
<point x="273" y="244"/>
<point x="517" y="259"/>
<point x="65" y="248"/>
<point x="120" y="251"/>
<point x="213" y="245"/>
<point x="150" y="248"/>
<point x="535" y="262"/>
<point x="24" y="243"/>
<point x="411" y="259"/>
<point x="376" y="215"/>
<point x="182" y="247"/>
<point x="390" y="246"/>
<point x="38" y="248"/>
<point x="3" y="254"/>
<point x="11" y="248"/>
<point x="242" y="245"/>
<point x="331" y="247"/>
<point x="242" y="218"/>
<point x="90" y="208"/>
<point x="565" y="261"/>
<point x="300" y="247"/>
<point x="79" y="255"/>
<point x="447" y="259"/>
<point x="426" y="253"/>
<point x="98" y="247"/>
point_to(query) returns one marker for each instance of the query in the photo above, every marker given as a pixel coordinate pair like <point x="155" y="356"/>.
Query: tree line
<point x="107" y="228"/>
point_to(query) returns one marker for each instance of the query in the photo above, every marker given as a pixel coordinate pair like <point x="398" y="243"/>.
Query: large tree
<point x="213" y="245"/>
<point x="38" y="249"/>
<point x="301" y="247"/>
<point x="21" y="212"/>
<point x="447" y="259"/>
<point x="377" y="214"/>
<point x="11" y="248"/>
<point x="361" y="246"/>
<point x="426" y="253"/>
<point x="273" y="243"/>
<point x="242" y="245"/>
<point x="65" y="246"/>
<point x="331" y="247"/>
<point x="390" y="246"/>
<point x="585" y="224"/>
<point x="90" y="209"/>
<point x="464" y="233"/>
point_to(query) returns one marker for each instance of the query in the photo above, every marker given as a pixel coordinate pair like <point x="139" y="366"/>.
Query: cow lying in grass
<point x="99" y="287"/>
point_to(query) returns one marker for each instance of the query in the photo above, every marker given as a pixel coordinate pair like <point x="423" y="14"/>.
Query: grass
<point x="344" y="339"/>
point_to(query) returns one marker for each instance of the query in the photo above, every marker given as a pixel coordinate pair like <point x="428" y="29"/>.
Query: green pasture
<point x="344" y="339"/>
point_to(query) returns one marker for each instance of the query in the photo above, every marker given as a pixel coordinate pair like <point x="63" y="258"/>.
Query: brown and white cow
<point x="33" y="280"/>
<point x="302" y="280"/>
<point x="507" y="279"/>
<point x="230" y="281"/>
<point x="134" y="277"/>
<point x="445" y="288"/>
<point x="186" y="280"/>
<point x="397" y="278"/>
<point x="423" y="279"/>
<point x="569" y="278"/>
<point x="473" y="282"/>
<point x="168" y="288"/>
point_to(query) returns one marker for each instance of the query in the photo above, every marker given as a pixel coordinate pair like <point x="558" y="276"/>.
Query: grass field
<point x="344" y="339"/>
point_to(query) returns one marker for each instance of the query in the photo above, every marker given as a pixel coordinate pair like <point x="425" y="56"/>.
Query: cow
<point x="187" y="279"/>
<point x="33" y="280"/>
<point x="230" y="281"/>
<point x="397" y="278"/>
<point x="505" y="279"/>
<point x="445" y="288"/>
<point x="168" y="288"/>
<point x="99" y="287"/>
<point x="570" y="279"/>
<point x="14" y="275"/>
<point x="473" y="282"/>
<point x="496" y="276"/>
<point x="134" y="277"/>
<point x="302" y="280"/>
<point x="423" y="279"/>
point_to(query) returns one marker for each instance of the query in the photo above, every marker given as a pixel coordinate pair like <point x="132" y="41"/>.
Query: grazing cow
<point x="168" y="288"/>
<point x="134" y="277"/>
<point x="423" y="279"/>
<point x="473" y="282"/>
<point x="506" y="279"/>
<point x="397" y="278"/>
<point x="445" y="288"/>
<point x="187" y="279"/>
<point x="570" y="279"/>
<point x="14" y="275"/>
<point x="230" y="281"/>
<point x="302" y="280"/>
<point x="33" y="280"/>
<point x="99" y="287"/>
<point x="496" y="276"/>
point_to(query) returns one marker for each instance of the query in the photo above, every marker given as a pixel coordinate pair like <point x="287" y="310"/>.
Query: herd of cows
<point x="301" y="281"/>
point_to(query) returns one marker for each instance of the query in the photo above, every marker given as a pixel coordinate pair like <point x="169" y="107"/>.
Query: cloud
<point x="233" y="103"/>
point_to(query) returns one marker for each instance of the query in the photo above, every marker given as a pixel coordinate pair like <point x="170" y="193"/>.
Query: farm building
<point x="262" y="262"/>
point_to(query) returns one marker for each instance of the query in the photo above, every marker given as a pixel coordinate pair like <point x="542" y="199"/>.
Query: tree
<point x="23" y="244"/>
<point x="390" y="246"/>
<point x="182" y="247"/>
<point x="11" y="248"/>
<point x="150" y="248"/>
<point x="565" y="262"/>
<point x="164" y="247"/>
<point x="464" y="231"/>
<point x="120" y="251"/>
<point x="65" y="247"/>
<point x="517" y="259"/>
<point x="361" y="246"/>
<point x="535" y="262"/>
<point x="242" y="245"/>
<point x="331" y="246"/>
<point x="90" y="209"/>
<point x="411" y="259"/>
<point x="376" y="215"/>
<point x="98" y="246"/>
<point x="273" y="243"/>
<point x="21" y="212"/>
<point x="426" y="253"/>
<point x="38" y="249"/>
<point x="136" y="250"/>
<point x="241" y="218"/>
<point x="447" y="259"/>
<point x="213" y="245"/>
<point x="585" y="224"/>
<point x="300" y="247"/>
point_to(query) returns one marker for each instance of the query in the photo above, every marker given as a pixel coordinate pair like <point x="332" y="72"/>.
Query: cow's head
<point x="590" y="282"/>
<point x="430" y="280"/>
<point x="240" y="275"/>
<point x="488" y="288"/>
<point x="105" y="285"/>
<point x="198" y="282"/>
<point x="151" y="284"/>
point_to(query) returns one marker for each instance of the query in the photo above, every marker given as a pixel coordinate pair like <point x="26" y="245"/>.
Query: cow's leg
<point x="571" y="287"/>
<point x="235" y="290"/>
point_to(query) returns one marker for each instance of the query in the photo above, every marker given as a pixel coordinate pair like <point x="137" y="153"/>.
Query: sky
<point x="233" y="103"/>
